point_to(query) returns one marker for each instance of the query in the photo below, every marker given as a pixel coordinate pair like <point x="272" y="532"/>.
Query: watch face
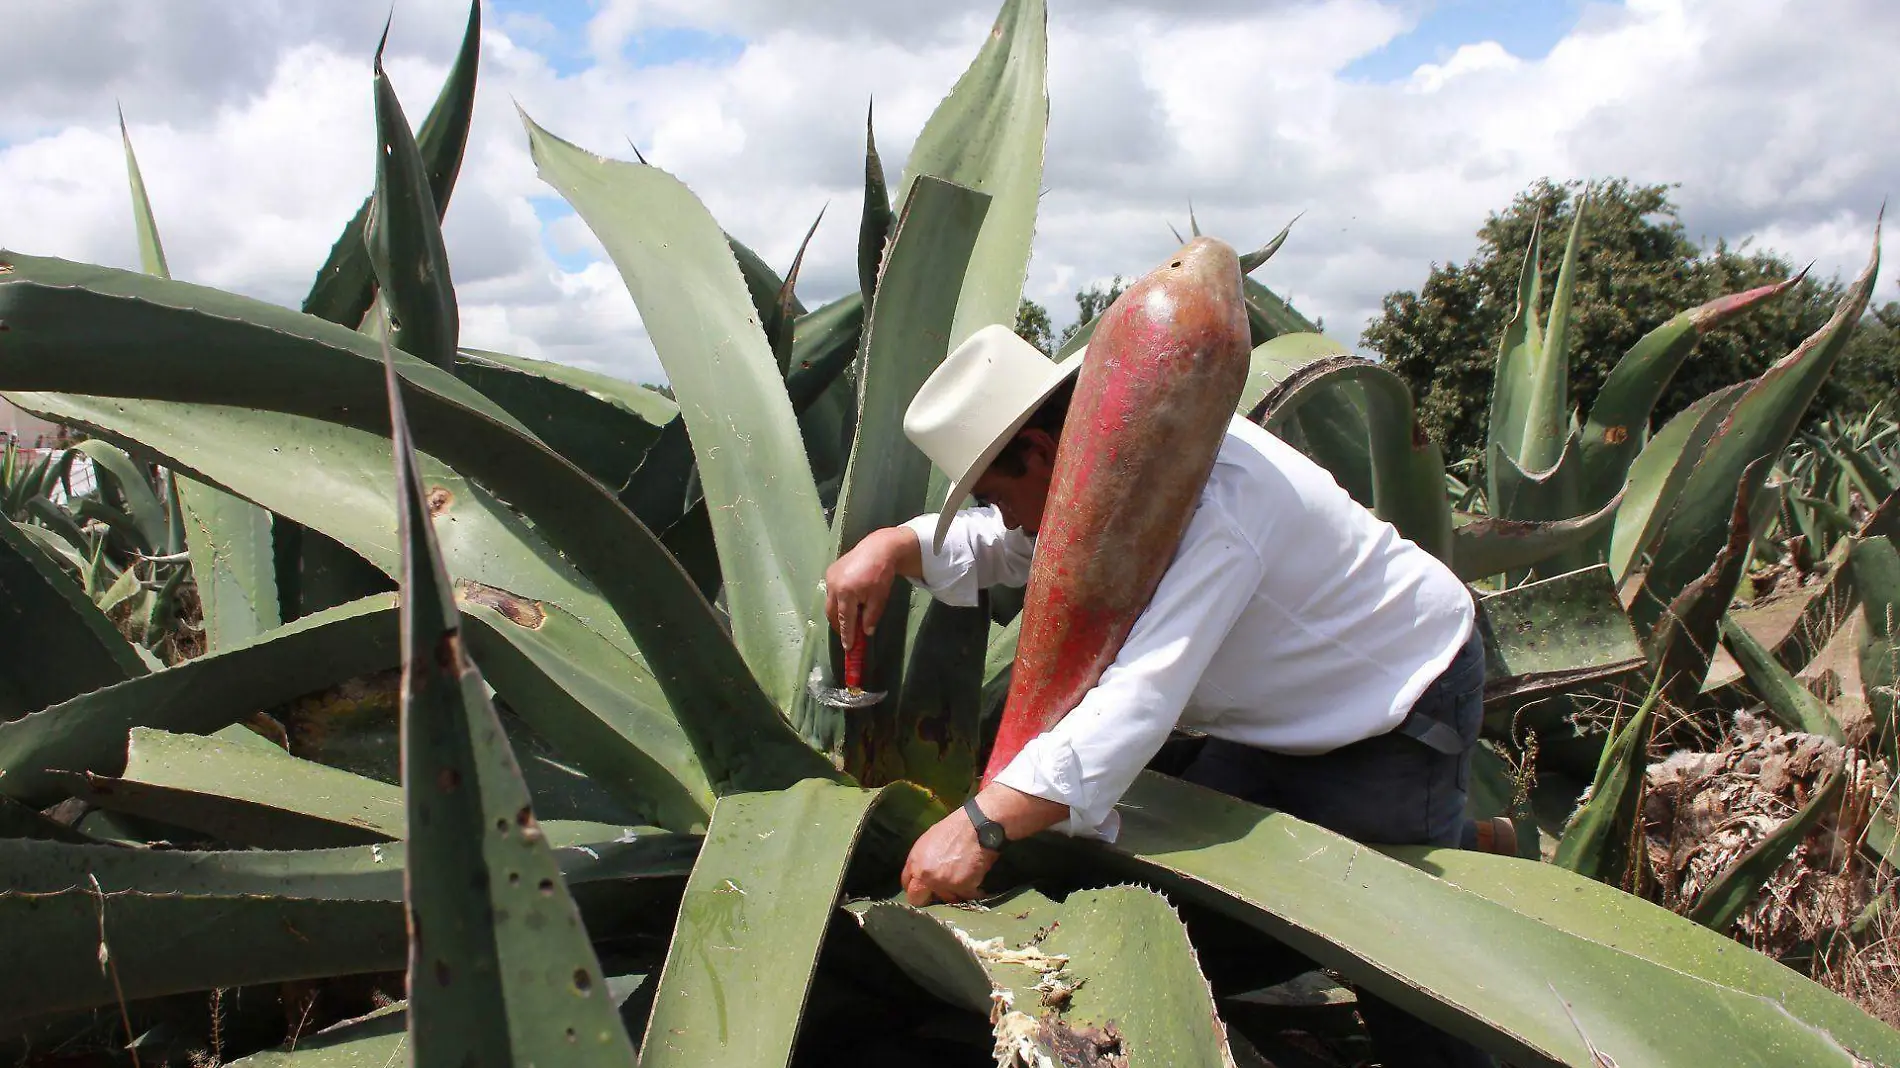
<point x="989" y="833"/>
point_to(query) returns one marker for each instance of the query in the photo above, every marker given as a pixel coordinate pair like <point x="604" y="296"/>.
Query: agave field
<point x="388" y="699"/>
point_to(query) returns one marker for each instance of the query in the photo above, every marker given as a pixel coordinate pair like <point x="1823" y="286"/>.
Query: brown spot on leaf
<point x="448" y="651"/>
<point x="1022" y="1043"/>
<point x="1615" y="435"/>
<point x="547" y="888"/>
<point x="448" y="780"/>
<point x="1086" y="1047"/>
<point x="439" y="500"/>
<point x="514" y="608"/>
<point x="583" y="982"/>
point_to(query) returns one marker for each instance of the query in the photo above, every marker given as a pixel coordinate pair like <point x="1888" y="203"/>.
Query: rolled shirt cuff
<point x="1048" y="768"/>
<point x="947" y="574"/>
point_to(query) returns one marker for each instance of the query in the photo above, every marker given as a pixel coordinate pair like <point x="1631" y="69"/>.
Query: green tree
<point x="1869" y="371"/>
<point x="1637" y="267"/>
<point x="1032" y="325"/>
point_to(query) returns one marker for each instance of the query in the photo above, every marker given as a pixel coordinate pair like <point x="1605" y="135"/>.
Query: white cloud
<point x="1468" y="59"/>
<point x="1773" y="114"/>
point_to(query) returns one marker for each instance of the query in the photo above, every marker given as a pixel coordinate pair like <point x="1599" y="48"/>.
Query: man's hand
<point x="858" y="584"/>
<point x="947" y="864"/>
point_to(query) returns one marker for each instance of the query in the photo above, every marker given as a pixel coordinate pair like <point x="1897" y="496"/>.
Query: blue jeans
<point x="1406" y="787"/>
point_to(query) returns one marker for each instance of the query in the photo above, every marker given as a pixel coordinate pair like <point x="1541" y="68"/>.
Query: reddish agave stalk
<point x="1152" y="402"/>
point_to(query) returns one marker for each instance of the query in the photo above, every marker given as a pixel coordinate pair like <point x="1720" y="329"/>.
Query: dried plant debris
<point x="1024" y="1041"/>
<point x="1703" y="811"/>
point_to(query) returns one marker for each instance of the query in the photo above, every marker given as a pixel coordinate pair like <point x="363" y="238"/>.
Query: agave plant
<point x="648" y="843"/>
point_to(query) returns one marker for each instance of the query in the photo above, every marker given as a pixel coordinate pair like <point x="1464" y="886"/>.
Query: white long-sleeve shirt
<point x="1291" y="619"/>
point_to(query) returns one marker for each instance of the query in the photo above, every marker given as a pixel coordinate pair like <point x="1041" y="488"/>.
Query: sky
<point x="1395" y="126"/>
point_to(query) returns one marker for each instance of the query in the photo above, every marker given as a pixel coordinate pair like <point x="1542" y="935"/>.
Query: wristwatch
<point x="989" y="833"/>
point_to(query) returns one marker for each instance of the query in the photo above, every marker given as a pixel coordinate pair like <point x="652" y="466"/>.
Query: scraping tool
<point x="853" y="695"/>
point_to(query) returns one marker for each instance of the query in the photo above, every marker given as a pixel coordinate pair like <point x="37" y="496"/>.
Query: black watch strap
<point x="989" y="833"/>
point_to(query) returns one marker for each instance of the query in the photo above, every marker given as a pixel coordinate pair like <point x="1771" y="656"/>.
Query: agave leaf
<point x="126" y="486"/>
<point x="329" y="477"/>
<point x="232" y="561"/>
<point x="404" y="236"/>
<point x="764" y="509"/>
<point x="1598" y="839"/>
<point x="602" y="424"/>
<point x="151" y="249"/>
<point x="751" y="922"/>
<point x="123" y="589"/>
<point x="60" y="522"/>
<point x="823" y="344"/>
<point x="57" y="549"/>
<point x="1723" y="901"/>
<point x="1618" y="426"/>
<point x="1491" y="546"/>
<point x="1603" y="914"/>
<point x="762" y="283"/>
<point x="924" y="944"/>
<point x="87" y="732"/>
<point x="1078" y="339"/>
<point x="123" y="533"/>
<point x="663" y="492"/>
<point x="1159" y="1012"/>
<point x="105" y="324"/>
<point x="988" y="135"/>
<point x="1514" y="381"/>
<point x="1274" y="361"/>
<point x="1876" y="569"/>
<point x="874" y="228"/>
<point x="1682" y="645"/>
<point x="1544" y="494"/>
<point x="505" y="973"/>
<point x="1791" y="704"/>
<point x="888" y="479"/>
<point x="58" y="644"/>
<point x="246" y="795"/>
<point x="1251" y="261"/>
<point x="1555" y="634"/>
<point x="280" y="916"/>
<point x="346" y="285"/>
<point x="1533" y="986"/>
<point x="19" y="821"/>
<point x="1408" y="470"/>
<point x="600" y="708"/>
<point x="1657" y="476"/>
<point x="1544" y="438"/>
<point x="1759" y="426"/>
<point x="378" y="1040"/>
<point x="786" y="308"/>
<point x="1269" y="315"/>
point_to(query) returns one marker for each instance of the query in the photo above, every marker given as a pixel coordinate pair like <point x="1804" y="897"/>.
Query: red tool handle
<point x="854" y="664"/>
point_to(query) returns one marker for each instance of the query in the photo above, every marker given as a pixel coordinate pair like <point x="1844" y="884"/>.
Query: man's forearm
<point x="906" y="552"/>
<point x="1021" y="814"/>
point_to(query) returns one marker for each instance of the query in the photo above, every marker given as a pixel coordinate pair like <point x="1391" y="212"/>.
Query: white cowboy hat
<point x="975" y="402"/>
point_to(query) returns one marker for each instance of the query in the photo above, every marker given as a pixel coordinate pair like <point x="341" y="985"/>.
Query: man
<point x="1333" y="665"/>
